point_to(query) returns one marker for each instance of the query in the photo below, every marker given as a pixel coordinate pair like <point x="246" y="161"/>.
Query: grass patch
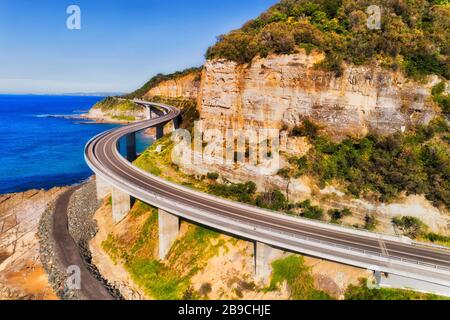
<point x="362" y="292"/>
<point x="168" y="280"/>
<point x="124" y="118"/>
<point x="298" y="277"/>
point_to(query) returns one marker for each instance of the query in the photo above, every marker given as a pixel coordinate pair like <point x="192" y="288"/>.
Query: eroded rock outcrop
<point x="186" y="86"/>
<point x="21" y="273"/>
<point x="280" y="91"/>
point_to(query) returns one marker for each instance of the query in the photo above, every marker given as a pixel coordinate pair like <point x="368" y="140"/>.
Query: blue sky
<point x="121" y="44"/>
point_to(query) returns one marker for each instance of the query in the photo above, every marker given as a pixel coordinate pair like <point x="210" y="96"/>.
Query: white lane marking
<point x="383" y="248"/>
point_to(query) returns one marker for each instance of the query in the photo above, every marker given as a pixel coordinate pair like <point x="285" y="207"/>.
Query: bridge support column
<point x="176" y="122"/>
<point x="168" y="225"/>
<point x="159" y="131"/>
<point x="131" y="147"/>
<point x="121" y="204"/>
<point x="103" y="187"/>
<point x="148" y="113"/>
<point x="264" y="255"/>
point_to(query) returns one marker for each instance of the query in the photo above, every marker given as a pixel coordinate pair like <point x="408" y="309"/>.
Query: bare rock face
<point x="186" y="86"/>
<point x="21" y="273"/>
<point x="280" y="91"/>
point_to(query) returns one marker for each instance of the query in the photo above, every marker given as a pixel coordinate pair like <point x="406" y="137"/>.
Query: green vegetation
<point x="414" y="228"/>
<point x="410" y="226"/>
<point x="171" y="279"/>
<point x="437" y="238"/>
<point x="114" y="104"/>
<point x="413" y="35"/>
<point x="370" y="222"/>
<point x="298" y="277"/>
<point x="441" y="97"/>
<point x="380" y="168"/>
<point x="306" y="129"/>
<point x="156" y="80"/>
<point x="188" y="109"/>
<point x="362" y="292"/>
<point x="243" y="192"/>
<point x="337" y="215"/>
<point x="212" y="176"/>
<point x="309" y="211"/>
<point x="273" y="200"/>
<point x="124" y="118"/>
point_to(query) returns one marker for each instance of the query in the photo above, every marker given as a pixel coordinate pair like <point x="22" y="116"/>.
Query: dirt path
<point x="69" y="252"/>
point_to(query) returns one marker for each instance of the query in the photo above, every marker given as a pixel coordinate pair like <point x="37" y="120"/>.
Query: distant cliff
<point x="182" y="84"/>
<point x="116" y="110"/>
<point x="185" y="86"/>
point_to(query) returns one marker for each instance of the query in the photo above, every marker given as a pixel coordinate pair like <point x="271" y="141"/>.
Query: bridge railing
<point x="363" y="251"/>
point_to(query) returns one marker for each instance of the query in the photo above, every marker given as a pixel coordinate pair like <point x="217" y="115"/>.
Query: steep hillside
<point x="282" y="90"/>
<point x="318" y="60"/>
<point x="412" y="36"/>
<point x="203" y="264"/>
<point x="182" y="84"/>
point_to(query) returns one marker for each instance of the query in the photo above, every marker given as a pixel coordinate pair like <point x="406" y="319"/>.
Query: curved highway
<point x="373" y="251"/>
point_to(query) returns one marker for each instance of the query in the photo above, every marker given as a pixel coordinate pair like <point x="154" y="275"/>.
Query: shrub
<point x="273" y="200"/>
<point x="410" y="226"/>
<point x="440" y="97"/>
<point x="306" y="129"/>
<point x="413" y="35"/>
<point x="370" y="222"/>
<point x="415" y="162"/>
<point x="212" y="175"/>
<point x="434" y="237"/>
<point x="243" y="192"/>
<point x="336" y="215"/>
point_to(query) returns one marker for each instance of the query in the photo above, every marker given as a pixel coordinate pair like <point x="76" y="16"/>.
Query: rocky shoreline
<point x="21" y="273"/>
<point x="82" y="206"/>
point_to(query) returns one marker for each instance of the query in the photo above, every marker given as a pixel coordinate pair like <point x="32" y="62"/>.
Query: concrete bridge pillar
<point x="264" y="255"/>
<point x="131" y="147"/>
<point x="148" y="113"/>
<point x="168" y="225"/>
<point x="159" y="131"/>
<point x="176" y="122"/>
<point x="103" y="187"/>
<point x="121" y="204"/>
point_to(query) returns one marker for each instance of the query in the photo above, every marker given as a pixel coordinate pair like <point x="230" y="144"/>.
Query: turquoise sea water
<point x="42" y="149"/>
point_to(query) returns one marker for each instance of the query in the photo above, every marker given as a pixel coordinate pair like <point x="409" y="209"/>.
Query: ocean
<point x="40" y="147"/>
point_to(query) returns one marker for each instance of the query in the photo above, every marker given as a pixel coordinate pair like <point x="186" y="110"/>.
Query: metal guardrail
<point x="430" y="245"/>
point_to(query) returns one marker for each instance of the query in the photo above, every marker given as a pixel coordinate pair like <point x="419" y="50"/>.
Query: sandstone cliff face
<point x="280" y="91"/>
<point x="186" y="87"/>
<point x="21" y="272"/>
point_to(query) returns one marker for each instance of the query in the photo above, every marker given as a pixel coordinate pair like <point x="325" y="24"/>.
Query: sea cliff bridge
<point x="395" y="261"/>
